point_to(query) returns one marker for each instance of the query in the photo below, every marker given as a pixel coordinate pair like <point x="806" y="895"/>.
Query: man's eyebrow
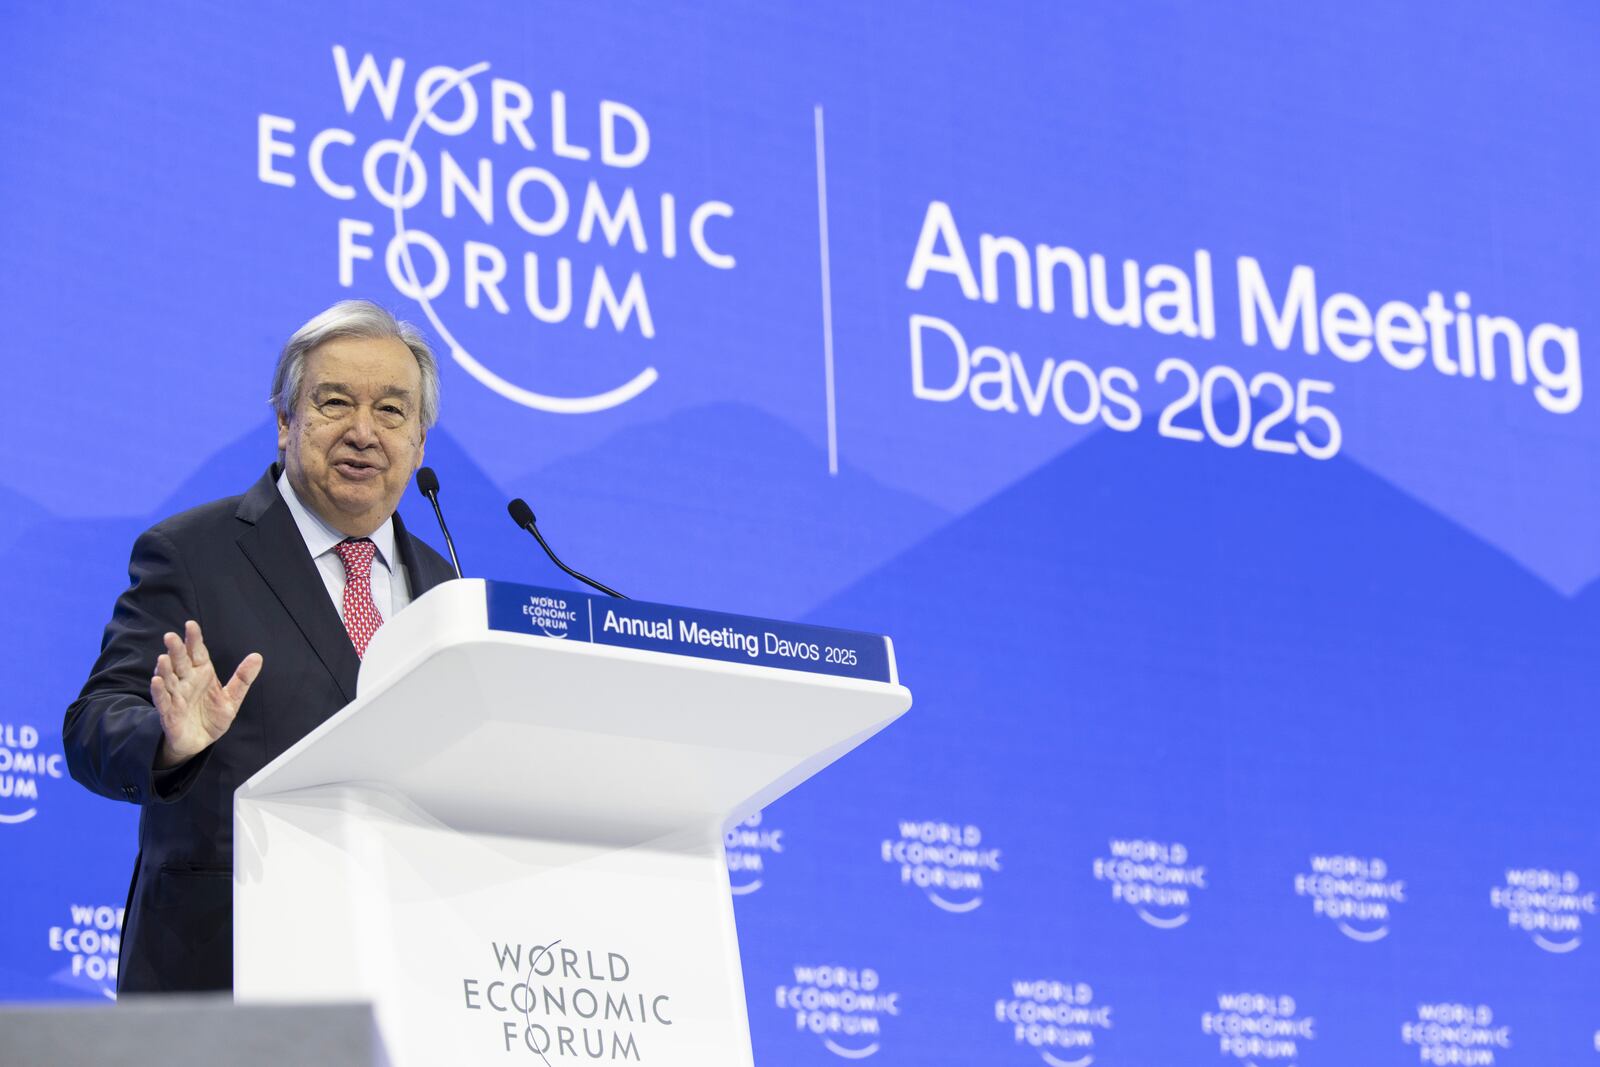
<point x="340" y="387"/>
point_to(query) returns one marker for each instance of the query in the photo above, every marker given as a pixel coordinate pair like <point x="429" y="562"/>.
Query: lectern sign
<point x="602" y="620"/>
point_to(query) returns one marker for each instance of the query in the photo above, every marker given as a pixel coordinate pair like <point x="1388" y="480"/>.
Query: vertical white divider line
<point x="827" y="296"/>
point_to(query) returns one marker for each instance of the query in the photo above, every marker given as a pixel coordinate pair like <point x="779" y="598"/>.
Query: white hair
<point x="352" y="318"/>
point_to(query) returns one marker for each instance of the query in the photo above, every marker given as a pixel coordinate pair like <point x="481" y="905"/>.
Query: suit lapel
<point x="273" y="545"/>
<point x="420" y="571"/>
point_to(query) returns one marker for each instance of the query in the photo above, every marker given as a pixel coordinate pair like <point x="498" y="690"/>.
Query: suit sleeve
<point x="112" y="732"/>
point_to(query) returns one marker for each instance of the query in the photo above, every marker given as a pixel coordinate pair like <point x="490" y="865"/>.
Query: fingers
<point x="184" y="679"/>
<point x="177" y="654"/>
<point x="239" y="685"/>
<point x="194" y="709"/>
<point x="166" y="674"/>
<point x="194" y="645"/>
<point x="172" y="731"/>
<point x="168" y="694"/>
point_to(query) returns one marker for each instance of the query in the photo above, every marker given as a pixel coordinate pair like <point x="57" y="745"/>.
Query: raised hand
<point x="195" y="708"/>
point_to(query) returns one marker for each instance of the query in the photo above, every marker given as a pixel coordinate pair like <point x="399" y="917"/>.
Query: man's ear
<point x="283" y="434"/>
<point x="421" y="447"/>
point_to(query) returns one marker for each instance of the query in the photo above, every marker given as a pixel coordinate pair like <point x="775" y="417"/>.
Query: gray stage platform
<point x="176" y="1031"/>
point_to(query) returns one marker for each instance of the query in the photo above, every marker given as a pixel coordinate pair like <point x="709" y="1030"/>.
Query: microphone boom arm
<point x="522" y="515"/>
<point x="433" y="498"/>
<point x="585" y="579"/>
<point x="428" y="485"/>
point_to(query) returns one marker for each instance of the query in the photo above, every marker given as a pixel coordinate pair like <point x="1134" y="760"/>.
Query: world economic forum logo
<point x="845" y="1007"/>
<point x="23" y="765"/>
<point x="1356" y="893"/>
<point x="1452" y="1033"/>
<point x="1258" y="1029"/>
<point x="550" y="615"/>
<point x="748" y="846"/>
<point x="1157" y="879"/>
<point x="1547" y="904"/>
<point x="500" y="200"/>
<point x="88" y="944"/>
<point x="946" y="861"/>
<point x="1061" y="1021"/>
<point x="568" y="1002"/>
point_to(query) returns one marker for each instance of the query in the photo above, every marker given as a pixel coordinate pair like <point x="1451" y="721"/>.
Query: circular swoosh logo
<point x="1556" y="946"/>
<point x="1163" y="924"/>
<point x="560" y="405"/>
<point x="952" y="906"/>
<point x="1368" y="936"/>
<point x="1054" y="1062"/>
<point x="849" y="1053"/>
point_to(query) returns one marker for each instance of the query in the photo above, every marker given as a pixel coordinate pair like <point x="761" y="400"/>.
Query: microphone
<point x="522" y="515"/>
<point x="428" y="482"/>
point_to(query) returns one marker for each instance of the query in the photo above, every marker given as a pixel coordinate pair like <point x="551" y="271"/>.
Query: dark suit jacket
<point x="239" y="568"/>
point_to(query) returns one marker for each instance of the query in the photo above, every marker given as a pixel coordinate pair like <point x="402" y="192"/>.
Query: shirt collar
<point x="320" y="537"/>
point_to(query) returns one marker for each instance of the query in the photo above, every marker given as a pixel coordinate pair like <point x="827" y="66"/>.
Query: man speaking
<point x="243" y="626"/>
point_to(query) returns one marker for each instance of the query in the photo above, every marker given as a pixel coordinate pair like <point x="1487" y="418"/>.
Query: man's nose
<point x="361" y="430"/>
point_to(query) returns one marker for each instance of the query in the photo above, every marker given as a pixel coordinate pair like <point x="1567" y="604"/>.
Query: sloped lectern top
<point x="501" y="708"/>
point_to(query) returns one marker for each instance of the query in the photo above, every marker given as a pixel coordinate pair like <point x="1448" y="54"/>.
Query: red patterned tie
<point x="361" y="618"/>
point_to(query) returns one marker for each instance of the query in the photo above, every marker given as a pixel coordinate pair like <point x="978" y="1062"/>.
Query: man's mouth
<point x="357" y="470"/>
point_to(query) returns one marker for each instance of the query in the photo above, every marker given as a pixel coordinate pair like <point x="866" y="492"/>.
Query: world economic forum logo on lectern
<point x="549" y="615"/>
<point x="557" y="1000"/>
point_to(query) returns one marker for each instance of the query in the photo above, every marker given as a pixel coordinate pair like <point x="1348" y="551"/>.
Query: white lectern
<point x="511" y="841"/>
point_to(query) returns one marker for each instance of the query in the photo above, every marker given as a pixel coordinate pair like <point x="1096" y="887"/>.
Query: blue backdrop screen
<point x="1194" y="392"/>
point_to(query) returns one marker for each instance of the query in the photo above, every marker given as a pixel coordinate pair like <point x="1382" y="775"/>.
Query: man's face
<point x="354" y="436"/>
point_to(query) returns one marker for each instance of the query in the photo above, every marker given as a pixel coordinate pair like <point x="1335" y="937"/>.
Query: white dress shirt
<point x="390" y="590"/>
